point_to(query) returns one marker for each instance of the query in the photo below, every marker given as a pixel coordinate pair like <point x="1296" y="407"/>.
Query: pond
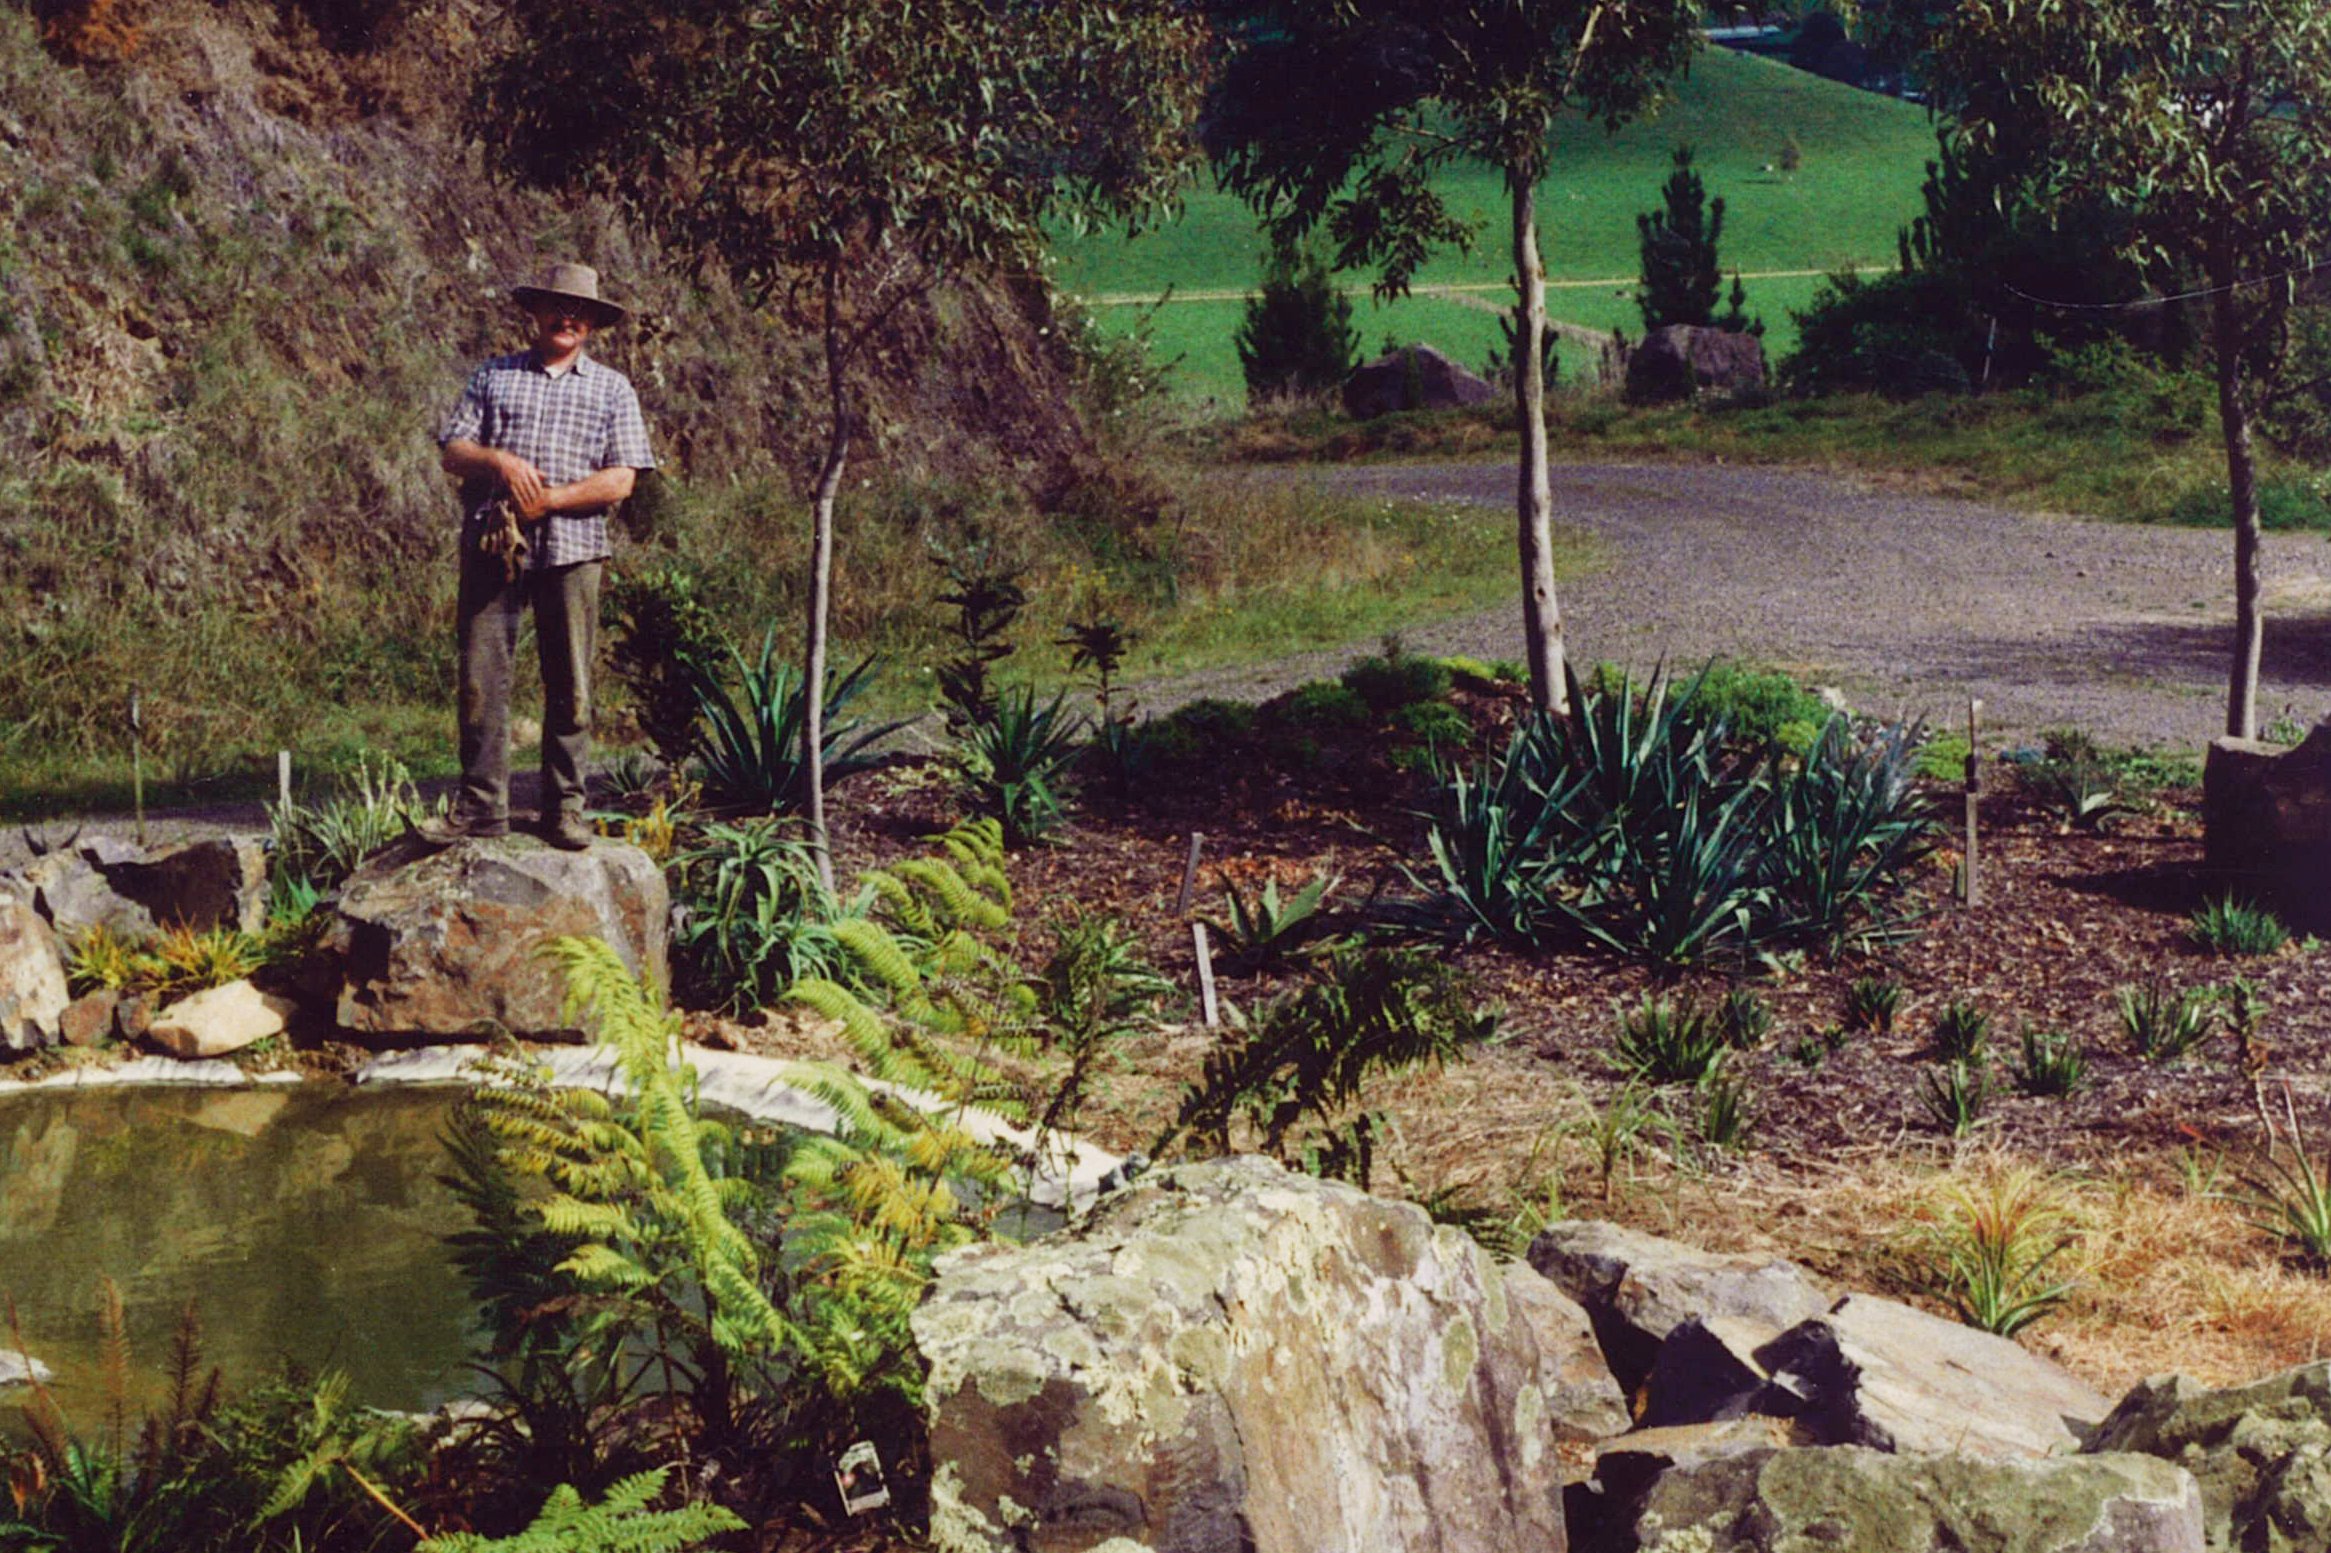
<point x="306" y="1221"/>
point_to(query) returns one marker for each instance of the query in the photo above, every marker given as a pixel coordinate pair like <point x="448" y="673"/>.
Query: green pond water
<point x="304" y="1221"/>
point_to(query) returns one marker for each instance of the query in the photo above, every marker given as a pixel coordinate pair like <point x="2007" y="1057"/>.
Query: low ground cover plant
<point x="2235" y="928"/>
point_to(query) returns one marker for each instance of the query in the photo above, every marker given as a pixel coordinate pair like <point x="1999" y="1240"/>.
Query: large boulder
<point x="2266" y="817"/>
<point x="1227" y="1356"/>
<point x="1638" y="1288"/>
<point x="440" y="943"/>
<point x="2261" y="1452"/>
<point x="113" y="882"/>
<point x="1873" y="1372"/>
<point x="1680" y="360"/>
<point x="1416" y="377"/>
<point x="1862" y="1501"/>
<point x="33" y="993"/>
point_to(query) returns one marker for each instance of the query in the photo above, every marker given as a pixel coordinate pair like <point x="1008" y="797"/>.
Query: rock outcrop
<point x="1679" y="361"/>
<point x="21" y="1369"/>
<point x="2261" y="1452"/>
<point x="113" y="882"/>
<point x="1863" y="1501"/>
<point x="435" y="944"/>
<point x="1415" y="377"/>
<point x="33" y="992"/>
<point x="218" y="1021"/>
<point x="1228" y="1356"/>
<point x="2266" y="817"/>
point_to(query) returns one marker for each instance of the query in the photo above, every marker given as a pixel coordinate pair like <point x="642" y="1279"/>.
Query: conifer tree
<point x="1297" y="336"/>
<point x="1680" y="280"/>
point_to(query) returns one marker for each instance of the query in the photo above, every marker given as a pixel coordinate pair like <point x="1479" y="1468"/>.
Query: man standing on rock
<point x="544" y="443"/>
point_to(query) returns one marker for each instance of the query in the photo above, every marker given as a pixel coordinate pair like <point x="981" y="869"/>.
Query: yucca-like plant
<point x="1725" y="1118"/>
<point x="1668" y="1041"/>
<point x="1871" y="1003"/>
<point x="2290" y="1199"/>
<point x="2237" y="928"/>
<point x="755" y="917"/>
<point x="324" y="842"/>
<point x="1263" y="931"/>
<point x="2164" y="1023"/>
<point x="1962" y="1033"/>
<point x="1744" y="1017"/>
<point x="1956" y="1094"/>
<point x="1014" y="761"/>
<point x="2054" y="1062"/>
<point x="750" y="749"/>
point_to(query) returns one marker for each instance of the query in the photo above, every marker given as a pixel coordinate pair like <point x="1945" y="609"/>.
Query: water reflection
<point x="304" y="1221"/>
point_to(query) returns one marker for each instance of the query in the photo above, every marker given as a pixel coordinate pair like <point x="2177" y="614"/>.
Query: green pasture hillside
<point x="1862" y="159"/>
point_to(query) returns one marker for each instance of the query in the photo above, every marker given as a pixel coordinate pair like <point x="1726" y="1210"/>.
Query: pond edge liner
<point x="1069" y="1173"/>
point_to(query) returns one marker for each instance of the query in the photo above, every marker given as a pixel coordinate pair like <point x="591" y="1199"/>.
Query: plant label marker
<point x="137" y="725"/>
<point x="1205" y="976"/>
<point x="283" y="780"/>
<point x="1189" y="874"/>
<point x="1970" y="887"/>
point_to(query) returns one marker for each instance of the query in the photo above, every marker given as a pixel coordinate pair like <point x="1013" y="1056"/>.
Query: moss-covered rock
<point x="2261" y="1452"/>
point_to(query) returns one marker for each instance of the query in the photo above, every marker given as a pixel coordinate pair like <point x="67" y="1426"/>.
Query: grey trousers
<point x="565" y="600"/>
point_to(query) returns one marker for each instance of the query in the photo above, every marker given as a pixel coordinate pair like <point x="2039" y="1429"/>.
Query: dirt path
<point x="1904" y="602"/>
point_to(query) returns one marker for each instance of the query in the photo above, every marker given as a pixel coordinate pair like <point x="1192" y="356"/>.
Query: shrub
<point x="1993" y="1253"/>
<point x="2231" y="927"/>
<point x="986" y="596"/>
<point x="1323" y="706"/>
<point x="1663" y="1041"/>
<point x="1094" y="989"/>
<point x="1762" y="705"/>
<point x="754" y="918"/>
<point x="1434" y="724"/>
<point x="2054" y="1062"/>
<point x="1396" y="678"/>
<point x="2163" y="1023"/>
<point x="1962" y="1033"/>
<point x="661" y="630"/>
<point x="1204" y="726"/>
<point x="1296" y="336"/>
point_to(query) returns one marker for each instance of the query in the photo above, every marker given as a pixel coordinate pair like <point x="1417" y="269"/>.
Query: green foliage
<point x="1663" y="1041"/>
<point x="1297" y="336"/>
<point x="2074" y="782"/>
<point x="1100" y="643"/>
<point x="662" y="631"/>
<point x="1094" y="989"/>
<point x="1744" y="1017"/>
<point x="1871" y="1003"/>
<point x="1962" y="1033"/>
<point x="2290" y="1198"/>
<point x="1396" y="678"/>
<point x="2054" y="1062"/>
<point x="1955" y="1094"/>
<point x="321" y="844"/>
<point x="1763" y="706"/>
<point x="751" y="754"/>
<point x="1289" y="1079"/>
<point x="986" y="596"/>
<point x="1435" y="725"/>
<point x="1635" y="825"/>
<point x="2164" y="1023"/>
<point x="754" y="917"/>
<point x="1325" y="706"/>
<point x="173" y="963"/>
<point x="2234" y="928"/>
<point x="1013" y="762"/>
<point x="1724" y="1119"/>
<point x="1993" y="1252"/>
<point x="1679" y="272"/>
<point x="619" y="1523"/>
<point x="1263" y="932"/>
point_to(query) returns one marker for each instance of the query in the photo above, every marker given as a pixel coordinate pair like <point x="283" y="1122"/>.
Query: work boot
<point x="568" y="832"/>
<point x="445" y="829"/>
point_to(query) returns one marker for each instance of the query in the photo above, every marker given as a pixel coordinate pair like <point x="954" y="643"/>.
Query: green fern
<point x="619" y="1523"/>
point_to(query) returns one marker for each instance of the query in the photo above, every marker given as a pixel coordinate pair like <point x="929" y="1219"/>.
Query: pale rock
<point x="22" y="1369"/>
<point x="33" y="992"/>
<point x="1229" y="1356"/>
<point x="218" y="1021"/>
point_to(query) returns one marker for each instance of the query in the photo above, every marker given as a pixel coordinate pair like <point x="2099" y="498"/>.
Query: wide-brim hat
<point x="572" y="283"/>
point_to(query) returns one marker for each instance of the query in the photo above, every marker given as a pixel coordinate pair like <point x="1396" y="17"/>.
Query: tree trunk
<point x="1534" y="500"/>
<point x="2242" y="487"/>
<point x="821" y="578"/>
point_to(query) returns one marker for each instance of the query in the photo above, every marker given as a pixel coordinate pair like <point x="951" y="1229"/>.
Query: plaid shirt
<point x="570" y="426"/>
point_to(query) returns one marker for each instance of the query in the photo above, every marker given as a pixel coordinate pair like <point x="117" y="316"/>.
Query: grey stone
<point x="88" y="1019"/>
<point x="1873" y="1372"/>
<point x="1227" y="1356"/>
<point x="2266" y="820"/>
<point x="112" y="882"/>
<point x="1852" y="1500"/>
<point x="2261" y="1452"/>
<point x="21" y="1369"/>
<point x="1637" y="1288"/>
<point x="1679" y="361"/>
<point x="33" y="992"/>
<point x="445" y="942"/>
<point x="1416" y="377"/>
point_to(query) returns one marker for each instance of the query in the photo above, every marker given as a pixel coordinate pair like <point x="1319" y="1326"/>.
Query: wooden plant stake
<point x="283" y="780"/>
<point x="1971" y="891"/>
<point x="1189" y="874"/>
<point x="1205" y="976"/>
<point x="137" y="724"/>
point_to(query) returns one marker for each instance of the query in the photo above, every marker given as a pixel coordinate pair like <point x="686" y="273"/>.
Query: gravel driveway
<point x="1904" y="602"/>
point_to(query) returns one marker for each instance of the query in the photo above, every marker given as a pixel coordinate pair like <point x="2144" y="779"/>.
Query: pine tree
<point x="1680" y="281"/>
<point x="1297" y="337"/>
